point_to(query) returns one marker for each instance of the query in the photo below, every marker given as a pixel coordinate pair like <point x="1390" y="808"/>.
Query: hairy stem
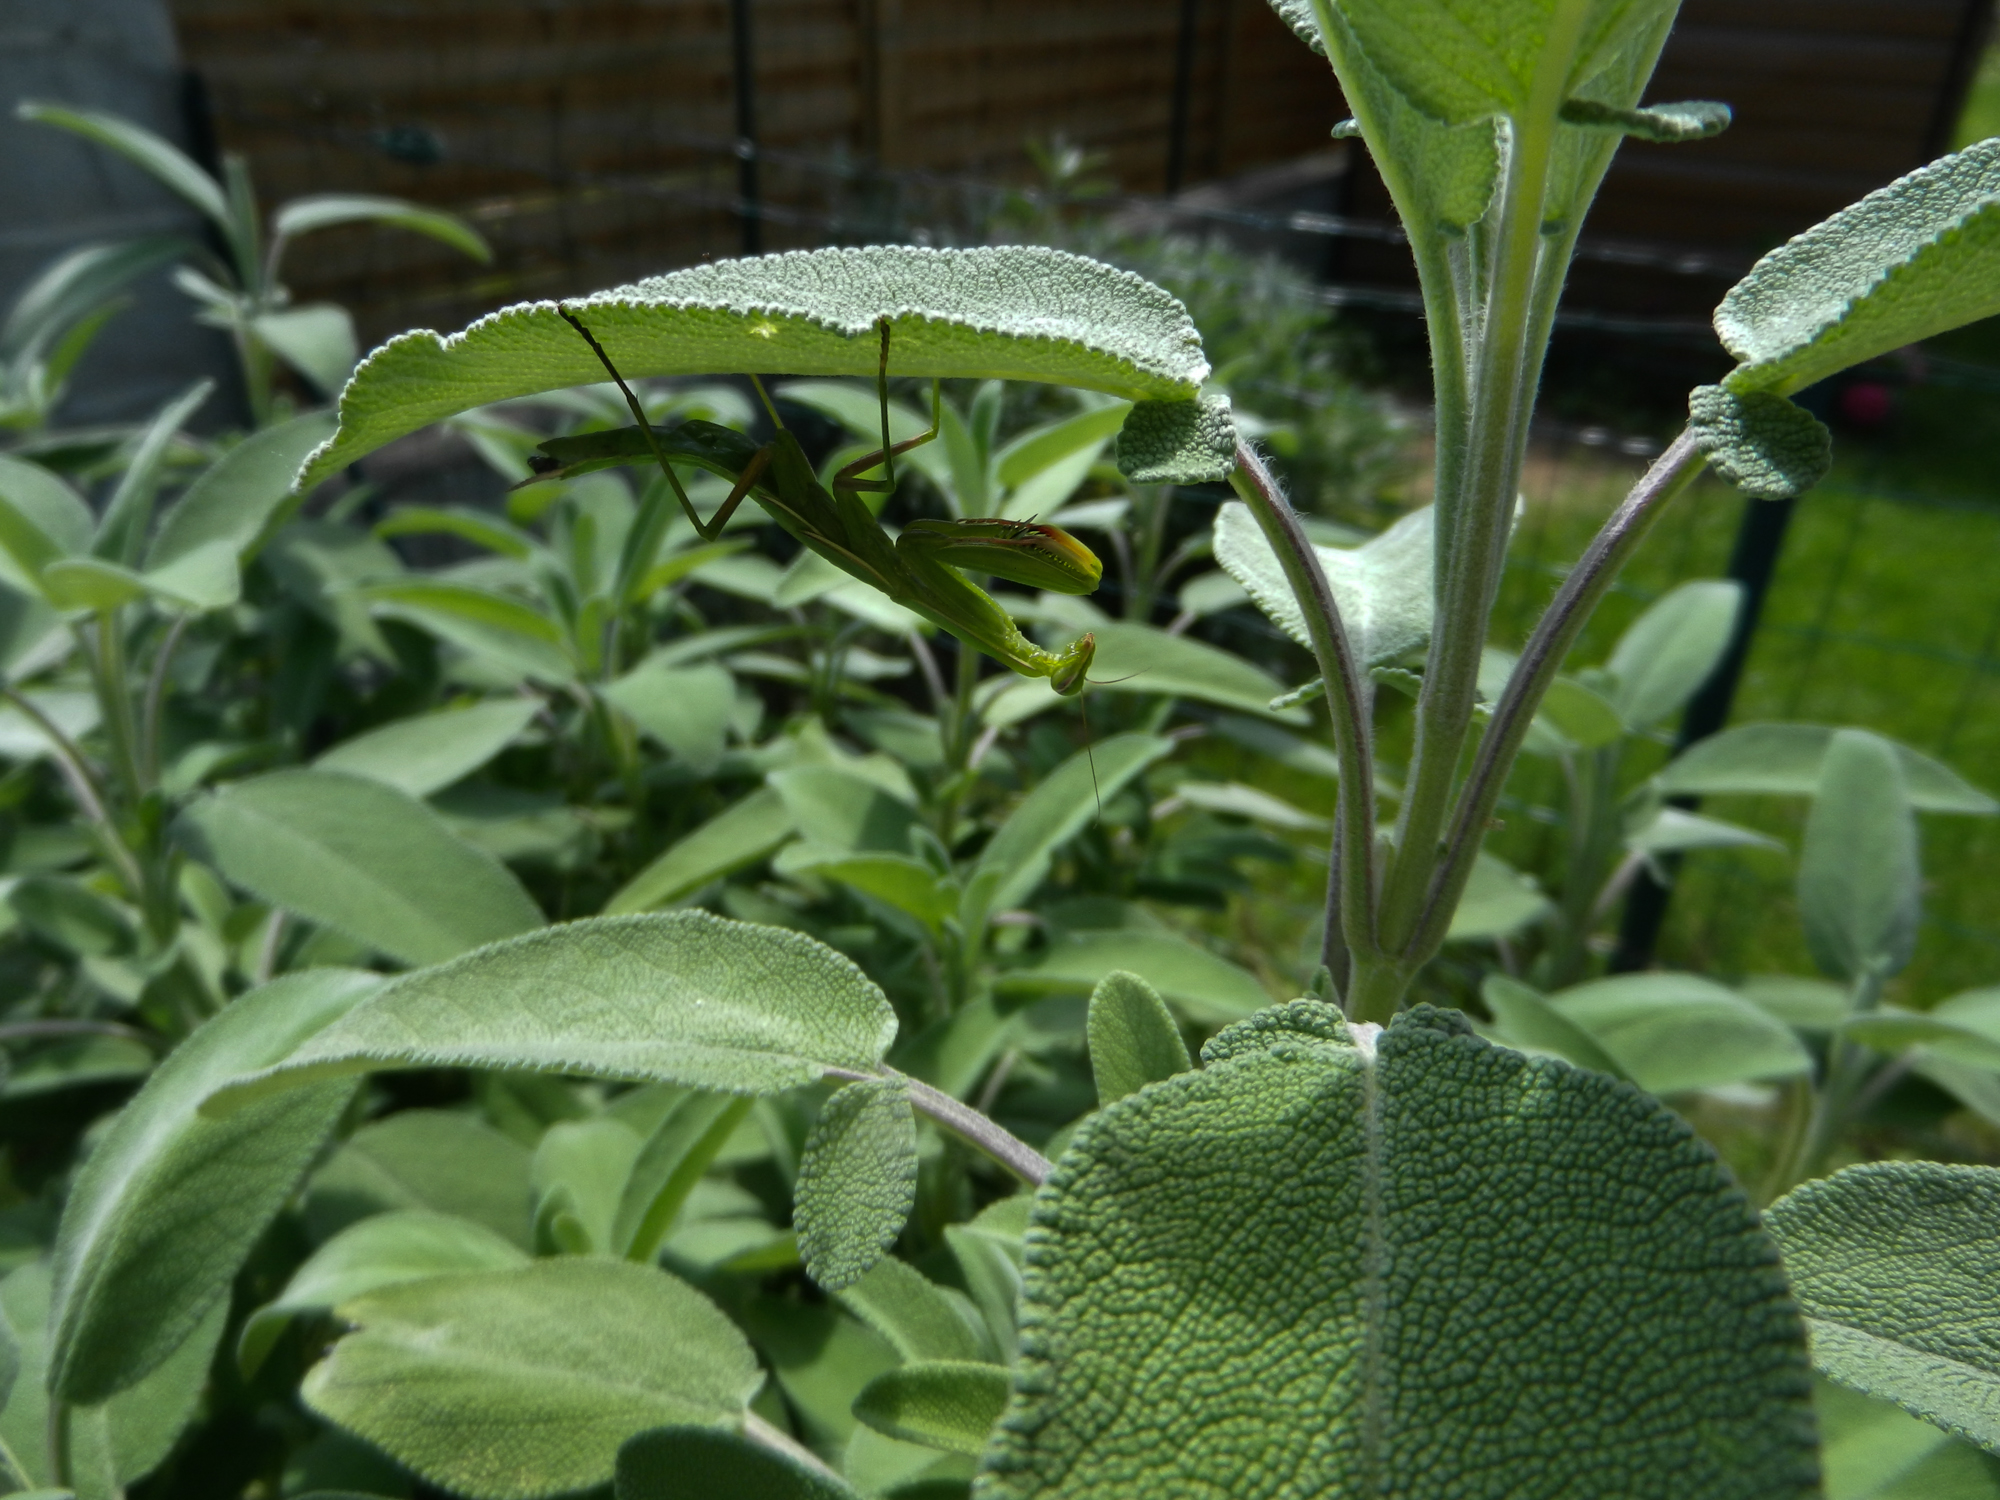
<point x="83" y="786"/>
<point x="967" y="1123"/>
<point x="1553" y="636"/>
<point x="156" y="695"/>
<point x="114" y="694"/>
<point x="1351" y="890"/>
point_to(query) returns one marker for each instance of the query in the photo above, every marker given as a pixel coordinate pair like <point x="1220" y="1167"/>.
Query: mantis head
<point x="1074" y="666"/>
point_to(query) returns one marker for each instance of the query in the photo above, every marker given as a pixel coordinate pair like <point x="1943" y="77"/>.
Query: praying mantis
<point x="919" y="569"/>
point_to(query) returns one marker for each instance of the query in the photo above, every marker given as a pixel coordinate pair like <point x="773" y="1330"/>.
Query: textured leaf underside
<point x="1008" y="312"/>
<point x="1178" y="442"/>
<point x="1399" y="1263"/>
<point x="1897" y="1266"/>
<point x="1382" y="587"/>
<point x="681" y="997"/>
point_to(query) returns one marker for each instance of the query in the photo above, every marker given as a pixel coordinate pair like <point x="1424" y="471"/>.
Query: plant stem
<point x="156" y="693"/>
<point x="1474" y="526"/>
<point x="967" y="1123"/>
<point x="1553" y="636"/>
<point x="1350" y="915"/>
<point x="84" y="787"/>
<point x="114" y="695"/>
<point x="59" y="1434"/>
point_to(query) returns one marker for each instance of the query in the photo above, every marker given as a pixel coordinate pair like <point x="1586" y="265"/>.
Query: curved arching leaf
<point x="1010" y="312"/>
<point x="1897" y="1265"/>
<point x="1349" y="1261"/>
<point x="680" y="997"/>
<point x="705" y="1463"/>
<point x="362" y="857"/>
<point x="948" y="1404"/>
<point x="1912" y="259"/>
<point x="169" y="1203"/>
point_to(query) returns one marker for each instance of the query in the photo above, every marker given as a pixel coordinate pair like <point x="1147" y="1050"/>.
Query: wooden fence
<point x="591" y="139"/>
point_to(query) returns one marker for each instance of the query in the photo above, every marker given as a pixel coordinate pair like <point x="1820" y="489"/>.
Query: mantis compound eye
<point x="1068" y="680"/>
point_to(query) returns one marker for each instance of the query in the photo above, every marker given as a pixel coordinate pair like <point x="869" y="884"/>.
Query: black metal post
<point x="1178" y="120"/>
<point x="748" y="190"/>
<point x="1752" y="562"/>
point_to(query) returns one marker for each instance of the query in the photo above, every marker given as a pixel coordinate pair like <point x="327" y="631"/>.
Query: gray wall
<point x="59" y="192"/>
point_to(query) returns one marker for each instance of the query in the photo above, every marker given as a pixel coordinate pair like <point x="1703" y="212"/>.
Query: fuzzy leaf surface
<point x="857" y="1181"/>
<point x="703" y="1463"/>
<point x="1482" y="1274"/>
<point x="1133" y="1037"/>
<point x="1785" y="760"/>
<point x="1383" y="586"/>
<point x="1005" y="312"/>
<point x="1859" y="874"/>
<point x="1912" y="259"/>
<point x="360" y="857"/>
<point x="939" y="1403"/>
<point x="380" y="1251"/>
<point x="681" y="997"/>
<point x="1897" y="1267"/>
<point x="1178" y="442"/>
<point x="428" y="752"/>
<point x="169" y="1204"/>
<point x="508" y="1385"/>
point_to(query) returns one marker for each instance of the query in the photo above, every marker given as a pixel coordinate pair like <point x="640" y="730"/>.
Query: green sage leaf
<point x="1785" y="760"/>
<point x="1671" y="1033"/>
<point x="169" y="1204"/>
<point x="918" y="1318"/>
<point x="1664" y="656"/>
<point x="1897" y="1268"/>
<point x="382" y="1251"/>
<point x="1523" y="1017"/>
<point x="857" y="1181"/>
<point x="1382" y="587"/>
<point x="939" y="1403"/>
<point x="702" y="1463"/>
<point x="1017" y="858"/>
<point x="682" y="997"/>
<point x="739" y="835"/>
<point x="1011" y="311"/>
<point x="1178" y="442"/>
<point x="431" y="1159"/>
<point x="1763" y="444"/>
<point x="1207" y="988"/>
<point x="1859" y="875"/>
<point x="361" y="857"/>
<point x="1192" y="1327"/>
<point x="514" y="1384"/>
<point x="1910" y="260"/>
<point x="429" y="752"/>
<point x="1133" y="1037"/>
